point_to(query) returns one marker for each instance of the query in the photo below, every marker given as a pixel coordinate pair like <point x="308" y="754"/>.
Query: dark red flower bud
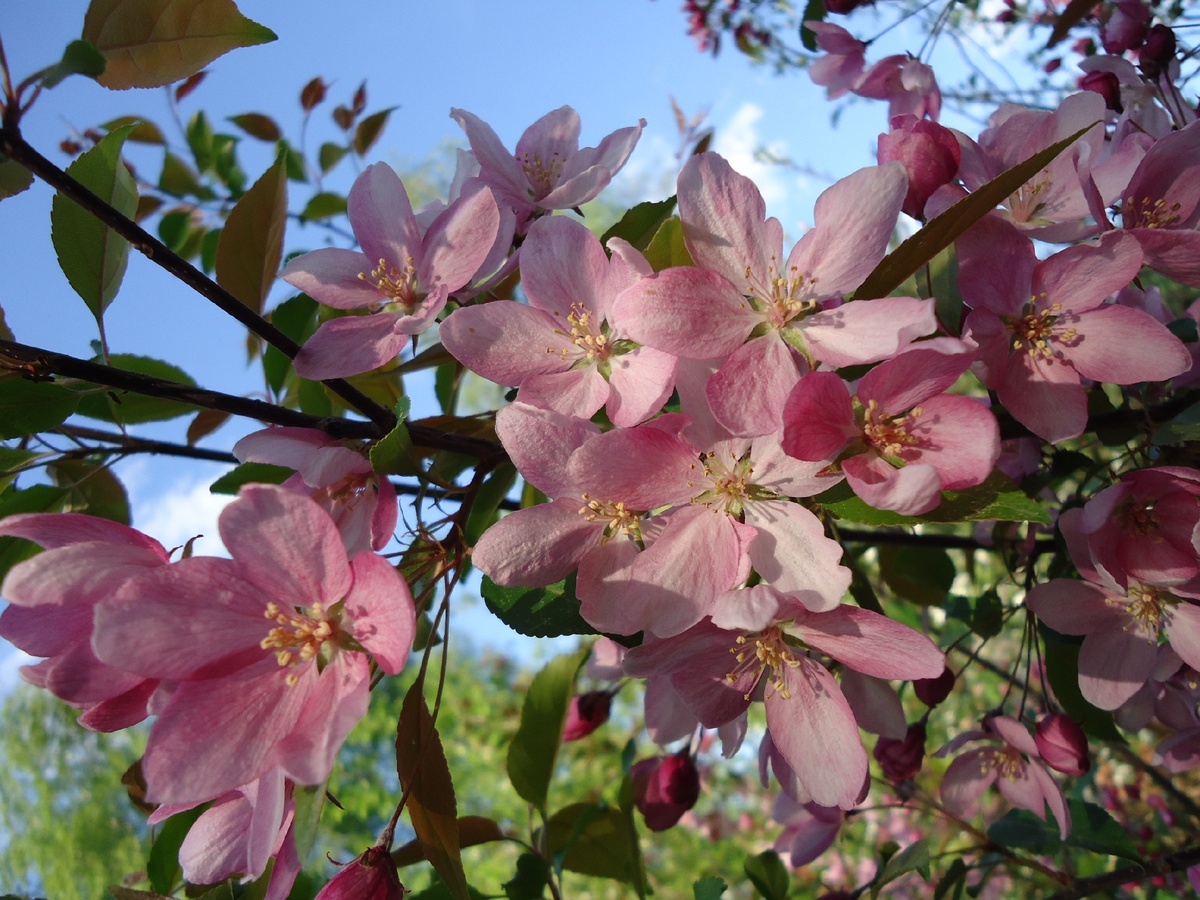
<point x="845" y="7"/>
<point x="1107" y="85"/>
<point x="930" y="155"/>
<point x="1006" y="17"/>
<point x="901" y="760"/>
<point x="1158" y="51"/>
<point x="370" y="877"/>
<point x="1126" y="27"/>
<point x="1062" y="744"/>
<point x="664" y="788"/>
<point x="587" y="713"/>
<point x="932" y="691"/>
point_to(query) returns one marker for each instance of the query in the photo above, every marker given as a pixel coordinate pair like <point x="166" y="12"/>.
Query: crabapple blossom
<point x="1010" y="761"/>
<point x="549" y="170"/>
<point x="1062" y="744"/>
<point x="52" y="598"/>
<point x="372" y="876"/>
<point x="563" y="349"/>
<point x="268" y="649"/>
<point x="664" y="788"/>
<point x="402" y="276"/>
<point x="930" y="155"/>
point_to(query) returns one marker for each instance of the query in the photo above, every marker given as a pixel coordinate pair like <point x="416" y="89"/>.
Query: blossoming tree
<point x="907" y="509"/>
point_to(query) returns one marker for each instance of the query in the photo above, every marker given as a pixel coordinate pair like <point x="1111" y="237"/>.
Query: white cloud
<point x="738" y="140"/>
<point x="173" y="509"/>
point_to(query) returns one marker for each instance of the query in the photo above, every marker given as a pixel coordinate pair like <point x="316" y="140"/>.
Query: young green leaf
<point x="251" y="243"/>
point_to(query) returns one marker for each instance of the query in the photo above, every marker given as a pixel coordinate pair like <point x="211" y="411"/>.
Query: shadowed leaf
<point x="251" y="243"/>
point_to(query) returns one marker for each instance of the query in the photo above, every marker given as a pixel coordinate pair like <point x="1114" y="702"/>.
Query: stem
<point x="1163" y="865"/>
<point x="38" y="363"/>
<point x="16" y="148"/>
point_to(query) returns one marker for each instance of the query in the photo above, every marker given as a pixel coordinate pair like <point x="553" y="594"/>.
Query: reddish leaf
<point x="472" y="831"/>
<point x="257" y="125"/>
<point x="369" y="130"/>
<point x="251" y="243"/>
<point x="432" y="809"/>
<point x="359" y="103"/>
<point x="312" y="94"/>
<point x="206" y="422"/>
<point x="189" y="85"/>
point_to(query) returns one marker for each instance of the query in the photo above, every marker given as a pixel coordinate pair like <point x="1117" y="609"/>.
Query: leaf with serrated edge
<point x="534" y="747"/>
<point x="149" y="43"/>
<point x="940" y="232"/>
<point x="90" y="254"/>
<point x="251" y="244"/>
<point x="432" y="809"/>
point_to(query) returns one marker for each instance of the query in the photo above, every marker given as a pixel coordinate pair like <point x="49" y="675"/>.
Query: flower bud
<point x="1107" y="85"/>
<point x="1062" y="744"/>
<point x="932" y="691"/>
<point x="664" y="788"/>
<point x="1158" y="52"/>
<point x="1126" y="27"/>
<point x="901" y="760"/>
<point x="845" y="7"/>
<point x="587" y="713"/>
<point x="370" y="877"/>
<point x="930" y="155"/>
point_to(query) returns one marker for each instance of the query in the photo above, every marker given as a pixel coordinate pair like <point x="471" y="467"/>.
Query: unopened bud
<point x="901" y="760"/>
<point x="1158" y="52"/>
<point x="373" y="875"/>
<point x="1062" y="744"/>
<point x="587" y="713"/>
<point x="664" y="788"/>
<point x="930" y="155"/>
<point x="1126" y="28"/>
<point x="1106" y="85"/>
<point x="932" y="691"/>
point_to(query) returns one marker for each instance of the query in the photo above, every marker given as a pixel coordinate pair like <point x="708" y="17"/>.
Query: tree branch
<point x="1163" y="865"/>
<point x="14" y="146"/>
<point x="38" y="363"/>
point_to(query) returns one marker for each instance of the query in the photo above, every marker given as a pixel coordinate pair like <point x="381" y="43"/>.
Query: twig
<point x="1163" y="865"/>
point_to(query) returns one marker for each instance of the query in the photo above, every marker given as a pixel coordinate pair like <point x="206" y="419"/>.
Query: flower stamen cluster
<point x="307" y="631"/>
<point x="399" y="287"/>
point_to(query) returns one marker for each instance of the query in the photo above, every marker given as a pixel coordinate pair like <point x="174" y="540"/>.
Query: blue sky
<point x="507" y="62"/>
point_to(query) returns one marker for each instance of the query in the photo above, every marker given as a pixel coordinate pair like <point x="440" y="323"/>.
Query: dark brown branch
<point x="124" y="444"/>
<point x="16" y="148"/>
<point x="1163" y="865"/>
<point x="37" y="363"/>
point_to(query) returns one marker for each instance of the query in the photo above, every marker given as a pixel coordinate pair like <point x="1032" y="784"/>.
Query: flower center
<point x="1149" y="213"/>
<point x="770" y="652"/>
<point x="730" y="484"/>
<point x="1036" y="330"/>
<point x="297" y="637"/>
<point x="1147" y="611"/>
<point x="1136" y="518"/>
<point x="1005" y="761"/>
<point x="588" y="334"/>
<point x="543" y="174"/>
<point x="399" y="287"/>
<point x="621" y="520"/>
<point x="890" y="434"/>
<point x="1031" y="198"/>
<point x="784" y="297"/>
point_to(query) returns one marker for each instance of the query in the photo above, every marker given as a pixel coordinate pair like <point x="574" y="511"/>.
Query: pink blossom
<point x="402" y="276"/>
<point x="907" y="84"/>
<point x="1043" y="325"/>
<point x="267" y="650"/>
<point x="564" y="349"/>
<point x="587" y="713"/>
<point x="337" y="476"/>
<point x="53" y="596"/>
<point x="1010" y="761"/>
<point x="929" y="153"/>
<point x="900" y="440"/>
<point x="809" y="829"/>
<point x="900" y="760"/>
<point x="548" y="170"/>
<point x="1062" y="744"/>
<point x="843" y="63"/>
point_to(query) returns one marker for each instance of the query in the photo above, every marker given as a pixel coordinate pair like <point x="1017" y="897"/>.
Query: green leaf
<point x="149" y="43"/>
<point x="252" y="241"/>
<point x="92" y="255"/>
<point x="309" y="800"/>
<point x="593" y="839"/>
<point x="250" y="473"/>
<point x="768" y="874"/>
<point x="953" y="883"/>
<point x="125" y="406"/>
<point x="487" y="501"/>
<point x="917" y="573"/>
<point x="667" y="248"/>
<point x="1062" y="671"/>
<point x="297" y="318"/>
<point x="27" y="407"/>
<point x="79" y="58"/>
<point x="432" y="809"/>
<point x="913" y="858"/>
<point x="550" y="611"/>
<point x="14" y="178"/>
<point x="393" y="454"/>
<point x="639" y="224"/>
<point x="710" y="888"/>
<point x="1184" y="427"/>
<point x="814" y="12"/>
<point x="1092" y="829"/>
<point x="258" y="126"/>
<point x="534" y="747"/>
<point x="143" y="133"/>
<point x="322" y="206"/>
<point x="200" y="141"/>
<point x="941" y="231"/>
<point x="12" y="459"/>
<point x="369" y="129"/>
<point x="178" y="180"/>
<point x="162" y="866"/>
<point x="91" y="488"/>
<point x="996" y="499"/>
<point x="330" y="155"/>
<point x="531" y="878"/>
